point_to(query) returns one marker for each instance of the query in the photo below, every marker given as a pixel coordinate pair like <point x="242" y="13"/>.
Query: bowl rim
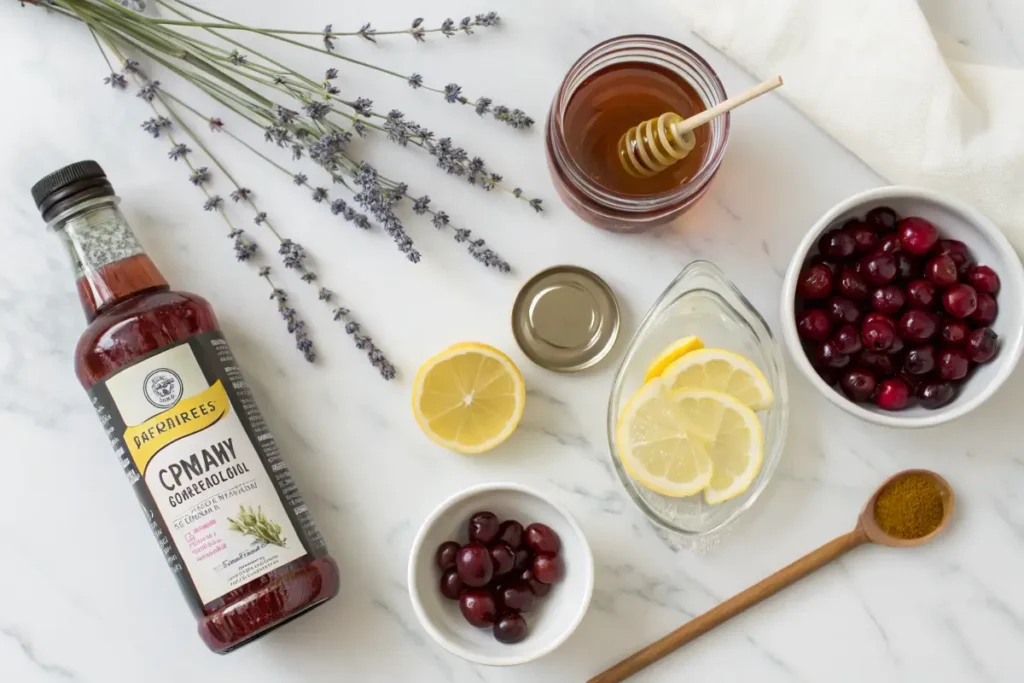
<point x="1014" y="277"/>
<point x="470" y="655"/>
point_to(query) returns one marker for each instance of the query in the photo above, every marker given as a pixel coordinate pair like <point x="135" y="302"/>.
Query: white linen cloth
<point x="873" y="75"/>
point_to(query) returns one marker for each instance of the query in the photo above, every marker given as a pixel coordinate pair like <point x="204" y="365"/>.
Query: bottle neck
<point x="109" y="263"/>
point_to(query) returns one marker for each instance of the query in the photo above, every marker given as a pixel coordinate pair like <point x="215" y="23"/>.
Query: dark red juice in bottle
<point x="185" y="428"/>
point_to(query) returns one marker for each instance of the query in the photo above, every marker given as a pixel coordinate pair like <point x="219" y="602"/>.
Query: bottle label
<point x="191" y="440"/>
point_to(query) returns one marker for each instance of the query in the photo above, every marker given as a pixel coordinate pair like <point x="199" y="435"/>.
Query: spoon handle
<point x="698" y="120"/>
<point x="731" y="607"/>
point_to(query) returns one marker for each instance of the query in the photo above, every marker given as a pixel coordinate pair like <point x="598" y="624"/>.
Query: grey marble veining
<point x="84" y="593"/>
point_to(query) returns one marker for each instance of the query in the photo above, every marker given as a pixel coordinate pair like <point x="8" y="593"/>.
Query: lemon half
<point x="469" y="398"/>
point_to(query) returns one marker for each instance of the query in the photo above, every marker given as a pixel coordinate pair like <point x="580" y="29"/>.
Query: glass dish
<point x="702" y="301"/>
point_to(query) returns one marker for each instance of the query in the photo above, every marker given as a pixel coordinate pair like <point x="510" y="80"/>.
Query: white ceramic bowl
<point x="557" y="614"/>
<point x="988" y="245"/>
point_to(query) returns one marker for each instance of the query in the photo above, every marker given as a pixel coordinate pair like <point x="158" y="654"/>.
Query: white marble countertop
<point x="84" y="592"/>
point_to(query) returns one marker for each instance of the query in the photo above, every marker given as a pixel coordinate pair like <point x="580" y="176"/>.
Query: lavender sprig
<point x="477" y="248"/>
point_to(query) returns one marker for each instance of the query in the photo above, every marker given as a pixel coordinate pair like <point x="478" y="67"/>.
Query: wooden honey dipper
<point x="649" y="148"/>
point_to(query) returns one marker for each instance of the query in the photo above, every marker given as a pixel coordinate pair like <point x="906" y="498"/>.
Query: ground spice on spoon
<point x="910" y="507"/>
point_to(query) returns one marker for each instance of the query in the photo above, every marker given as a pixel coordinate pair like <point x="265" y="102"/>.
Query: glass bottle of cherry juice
<point x="209" y="478"/>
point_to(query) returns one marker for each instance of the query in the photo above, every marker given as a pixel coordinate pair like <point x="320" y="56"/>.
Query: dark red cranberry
<point x="847" y="339"/>
<point x="907" y="267"/>
<point x="922" y="294"/>
<point x="503" y="558"/>
<point x="548" y="568"/>
<point x="517" y="596"/>
<point x="539" y="589"/>
<point x="981" y="345"/>
<point x="474" y="564"/>
<point x="953" y="364"/>
<point x="882" y="217"/>
<point x="960" y="300"/>
<point x="542" y="539"/>
<point x="879" y="269"/>
<point x="983" y="279"/>
<point x="920" y="360"/>
<point x="510" y="628"/>
<point x="451" y="584"/>
<point x="524" y="558"/>
<point x="813" y="325"/>
<point x="814" y="283"/>
<point x="858" y="384"/>
<point x="864" y="238"/>
<point x="986" y="312"/>
<point x="445" y="556"/>
<point x="954" y="332"/>
<point x="941" y="271"/>
<point x="888" y="300"/>
<point x="477" y="606"/>
<point x="836" y="244"/>
<point x="935" y="393"/>
<point x="889" y="244"/>
<point x="877" y="332"/>
<point x="881" y="364"/>
<point x="852" y="285"/>
<point x="827" y="356"/>
<point x="819" y="260"/>
<point x="918" y="326"/>
<point x="956" y="250"/>
<point x="917" y="235"/>
<point x="841" y="311"/>
<point x="483" y="528"/>
<point x="892" y="394"/>
<point x="511" y="533"/>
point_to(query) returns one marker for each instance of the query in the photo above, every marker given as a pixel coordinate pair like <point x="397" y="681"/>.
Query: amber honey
<point x="616" y="98"/>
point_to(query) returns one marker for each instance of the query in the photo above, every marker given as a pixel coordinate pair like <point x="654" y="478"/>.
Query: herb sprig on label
<point x="256" y="524"/>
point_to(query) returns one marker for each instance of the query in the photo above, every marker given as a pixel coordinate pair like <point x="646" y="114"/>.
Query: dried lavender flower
<point x="285" y="115"/>
<point x="216" y="124"/>
<point x="316" y="110"/>
<point x="213" y="203"/>
<point x="154" y="125"/>
<point x="466" y="24"/>
<point x="148" y="90"/>
<point x="367" y="32"/>
<point x="330" y="74"/>
<point x="448" y="28"/>
<point x="237" y="58"/>
<point x="453" y="93"/>
<point x="363" y="106"/>
<point x="378" y="204"/>
<point x="241" y="194"/>
<point x="130" y="66"/>
<point x="421" y="205"/>
<point x="199" y="176"/>
<point x="415" y="81"/>
<point x="328" y="40"/>
<point x="319" y="194"/>
<point x="292" y="254"/>
<point x="260" y="218"/>
<point x="116" y="80"/>
<point x="416" y="31"/>
<point x="178" y="151"/>
<point x="299" y="179"/>
<point x="365" y="343"/>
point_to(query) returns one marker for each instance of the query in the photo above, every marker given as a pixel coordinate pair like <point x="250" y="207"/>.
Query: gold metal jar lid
<point x="565" y="319"/>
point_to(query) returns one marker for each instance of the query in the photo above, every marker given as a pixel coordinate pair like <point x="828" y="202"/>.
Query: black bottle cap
<point x="70" y="185"/>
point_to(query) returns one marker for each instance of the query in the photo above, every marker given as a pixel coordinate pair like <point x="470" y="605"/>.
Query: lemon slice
<point x="724" y="371"/>
<point x="671" y="353"/>
<point x="732" y="440"/>
<point x="469" y="397"/>
<point x="654" y="446"/>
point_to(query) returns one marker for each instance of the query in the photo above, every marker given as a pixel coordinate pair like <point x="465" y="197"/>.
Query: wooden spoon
<point x="866" y="530"/>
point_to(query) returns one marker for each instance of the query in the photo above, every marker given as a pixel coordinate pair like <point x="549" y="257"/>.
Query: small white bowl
<point x="955" y="220"/>
<point x="557" y="614"/>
